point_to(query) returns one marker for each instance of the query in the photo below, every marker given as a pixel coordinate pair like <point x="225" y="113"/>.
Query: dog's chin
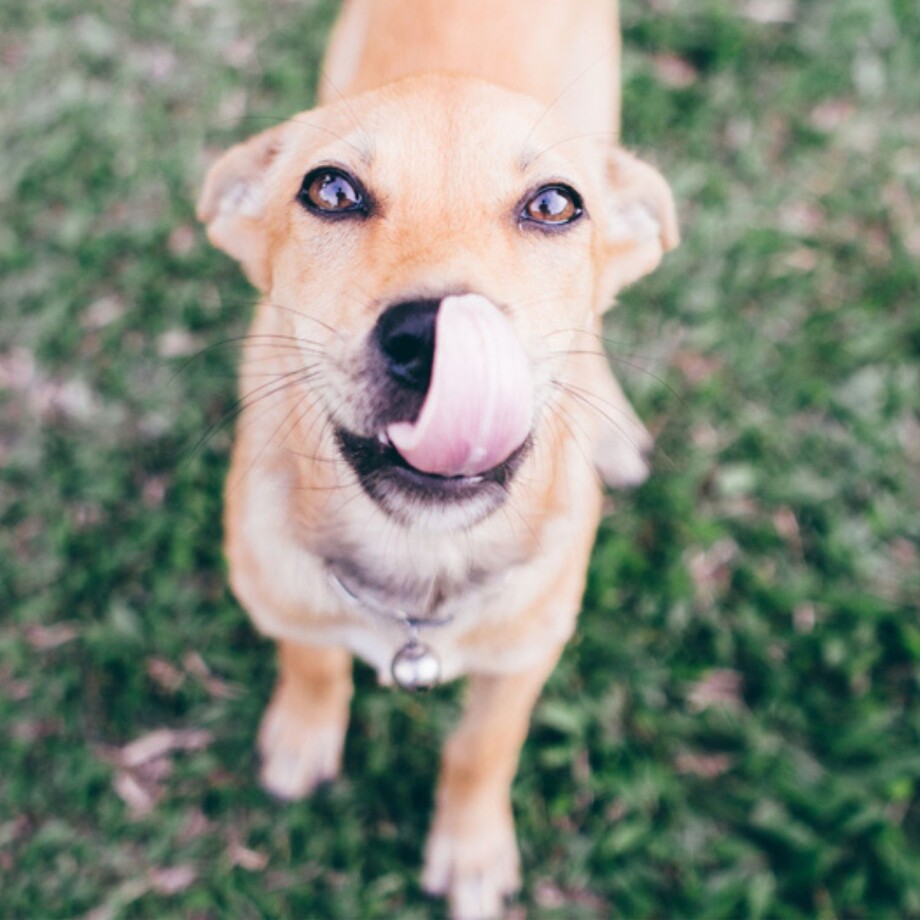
<point x="416" y="498"/>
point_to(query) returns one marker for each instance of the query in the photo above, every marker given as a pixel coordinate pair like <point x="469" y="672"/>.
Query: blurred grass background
<point x="736" y="730"/>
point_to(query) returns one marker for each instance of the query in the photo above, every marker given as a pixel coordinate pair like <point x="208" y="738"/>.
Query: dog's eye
<point x="331" y="192"/>
<point x="553" y="205"/>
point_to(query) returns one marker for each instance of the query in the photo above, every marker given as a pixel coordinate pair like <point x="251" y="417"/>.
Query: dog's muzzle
<point x="454" y="400"/>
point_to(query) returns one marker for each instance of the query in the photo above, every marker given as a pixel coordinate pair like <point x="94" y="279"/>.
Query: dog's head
<point x="440" y="243"/>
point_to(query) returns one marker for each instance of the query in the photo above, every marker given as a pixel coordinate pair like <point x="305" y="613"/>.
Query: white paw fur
<point x="476" y="871"/>
<point x="297" y="754"/>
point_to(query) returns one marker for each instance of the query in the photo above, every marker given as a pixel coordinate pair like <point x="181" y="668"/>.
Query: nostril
<point x="405" y="336"/>
<point x="407" y="353"/>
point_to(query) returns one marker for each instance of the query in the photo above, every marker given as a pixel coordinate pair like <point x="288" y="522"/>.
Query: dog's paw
<point x="476" y="870"/>
<point x="621" y="460"/>
<point x="297" y="754"/>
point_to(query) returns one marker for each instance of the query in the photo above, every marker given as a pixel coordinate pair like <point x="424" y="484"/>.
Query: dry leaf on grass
<point x="244" y="857"/>
<point x="219" y="689"/>
<point x="118" y="899"/>
<point x="196" y="825"/>
<point x="11" y="687"/>
<point x="46" y="396"/>
<point x="721" y="687"/>
<point x="172" y="880"/>
<point x="165" y="675"/>
<point x="141" y="798"/>
<point x="708" y="766"/>
<point x="675" y="72"/>
<point x="163" y="741"/>
<point x="696" y="367"/>
<point x="711" y="569"/>
<point x="52" y="636"/>
<point x="144" y="765"/>
<point x="166" y="881"/>
<point x="787" y="526"/>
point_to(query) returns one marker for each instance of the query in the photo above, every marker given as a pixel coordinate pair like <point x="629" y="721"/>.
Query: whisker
<point x="292" y="342"/>
<point x="255" y="460"/>
<point x="573" y="137"/>
<point x="283" y="307"/>
<point x="324" y="417"/>
<point x="585" y="398"/>
<point x="302" y="122"/>
<point x="633" y="365"/>
<point x="350" y="109"/>
<point x="245" y="403"/>
<point x="511" y="505"/>
<point x="563" y="415"/>
<point x="591" y="399"/>
<point x="577" y="330"/>
<point x="593" y="63"/>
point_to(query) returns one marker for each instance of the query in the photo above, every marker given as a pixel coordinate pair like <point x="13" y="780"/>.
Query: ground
<point x="736" y="729"/>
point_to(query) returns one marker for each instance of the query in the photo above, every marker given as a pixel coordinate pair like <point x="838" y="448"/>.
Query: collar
<point x="416" y="665"/>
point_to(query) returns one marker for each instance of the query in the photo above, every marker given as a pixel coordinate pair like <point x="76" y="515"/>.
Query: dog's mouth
<point x="399" y="488"/>
<point x="452" y="399"/>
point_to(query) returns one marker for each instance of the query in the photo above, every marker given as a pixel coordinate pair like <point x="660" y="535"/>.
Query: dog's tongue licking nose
<point x="477" y="411"/>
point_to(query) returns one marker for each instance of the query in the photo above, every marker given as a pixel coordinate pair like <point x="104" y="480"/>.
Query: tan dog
<point x="423" y="386"/>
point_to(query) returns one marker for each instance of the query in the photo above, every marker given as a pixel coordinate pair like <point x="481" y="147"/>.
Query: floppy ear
<point x="234" y="199"/>
<point x="640" y="222"/>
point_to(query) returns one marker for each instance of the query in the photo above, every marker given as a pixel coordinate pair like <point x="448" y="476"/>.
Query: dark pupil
<point x="336" y="193"/>
<point x="552" y="204"/>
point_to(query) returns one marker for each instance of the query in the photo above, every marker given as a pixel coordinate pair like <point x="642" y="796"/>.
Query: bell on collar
<point x="416" y="667"/>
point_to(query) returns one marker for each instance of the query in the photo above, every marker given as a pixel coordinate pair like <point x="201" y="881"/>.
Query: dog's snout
<point x="405" y="335"/>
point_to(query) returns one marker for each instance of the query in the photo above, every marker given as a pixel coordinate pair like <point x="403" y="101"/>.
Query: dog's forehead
<point x="443" y="127"/>
<point x="454" y="114"/>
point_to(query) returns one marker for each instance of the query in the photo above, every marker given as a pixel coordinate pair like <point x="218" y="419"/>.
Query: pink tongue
<point x="479" y="402"/>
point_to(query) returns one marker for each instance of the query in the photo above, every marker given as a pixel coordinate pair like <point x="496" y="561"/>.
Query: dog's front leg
<point x="472" y="853"/>
<point x="303" y="729"/>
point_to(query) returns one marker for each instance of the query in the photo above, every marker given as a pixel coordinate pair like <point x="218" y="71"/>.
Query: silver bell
<point x="416" y="667"/>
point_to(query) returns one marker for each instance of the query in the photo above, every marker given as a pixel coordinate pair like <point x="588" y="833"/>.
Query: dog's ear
<point x="640" y="222"/>
<point x="234" y="198"/>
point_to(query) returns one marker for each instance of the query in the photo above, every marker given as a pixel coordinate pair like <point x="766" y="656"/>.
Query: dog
<point x="425" y="401"/>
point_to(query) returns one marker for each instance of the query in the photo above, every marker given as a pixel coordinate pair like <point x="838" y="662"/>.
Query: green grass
<point x="735" y="732"/>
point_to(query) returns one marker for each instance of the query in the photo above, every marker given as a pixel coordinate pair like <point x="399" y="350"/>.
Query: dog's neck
<point x="408" y="597"/>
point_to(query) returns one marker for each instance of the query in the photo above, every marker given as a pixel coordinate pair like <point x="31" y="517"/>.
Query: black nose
<point x="405" y="336"/>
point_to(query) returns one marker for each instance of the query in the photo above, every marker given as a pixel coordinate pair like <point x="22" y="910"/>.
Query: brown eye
<point x="331" y="192"/>
<point x="553" y="205"/>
